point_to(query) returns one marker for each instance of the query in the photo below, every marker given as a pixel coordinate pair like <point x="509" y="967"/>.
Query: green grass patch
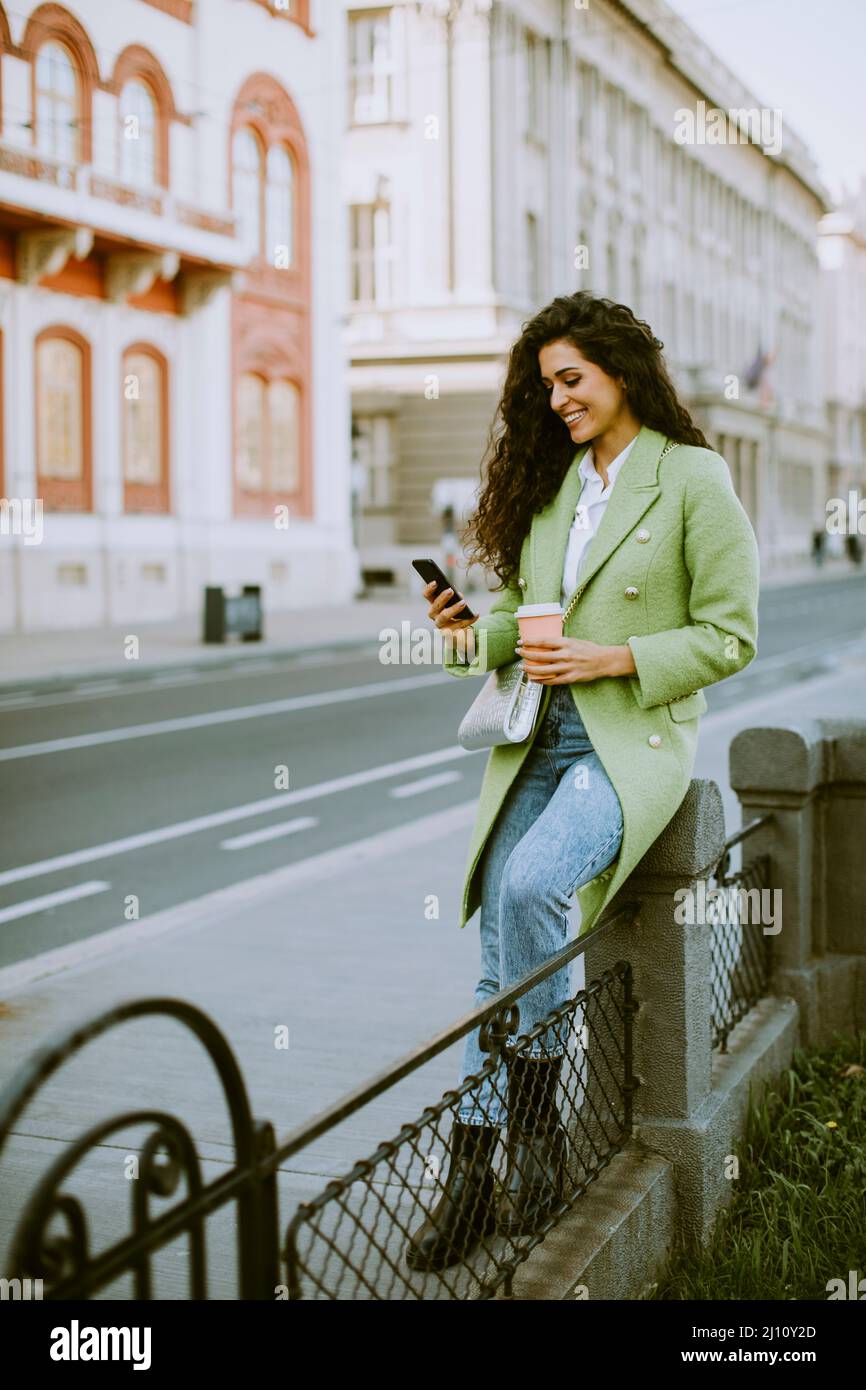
<point x="798" y="1214"/>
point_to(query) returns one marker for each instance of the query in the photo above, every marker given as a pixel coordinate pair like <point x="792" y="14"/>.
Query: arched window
<point x="285" y="440"/>
<point x="58" y="104"/>
<point x="145" y="430"/>
<point x="280" y="204"/>
<point x="268" y="177"/>
<point x="247" y="181"/>
<point x="269" y="440"/>
<point x="137" y="134"/>
<point x="252" y="429"/>
<point x="63" y="420"/>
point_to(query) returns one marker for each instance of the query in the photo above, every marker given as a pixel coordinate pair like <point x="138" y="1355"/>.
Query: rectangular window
<point x="638" y="131"/>
<point x="371" y="254"/>
<point x="611" y="125"/>
<point x="708" y="346"/>
<point x="533" y="259"/>
<point x="373" y="456"/>
<point x="688" y="345"/>
<point x="670" y="312"/>
<point x="536" y="84"/>
<point x="612" y="290"/>
<point x="582" y="106"/>
<point x="371" y="67"/>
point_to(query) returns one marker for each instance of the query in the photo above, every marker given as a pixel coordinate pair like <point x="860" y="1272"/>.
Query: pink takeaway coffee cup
<point x="539" y="620"/>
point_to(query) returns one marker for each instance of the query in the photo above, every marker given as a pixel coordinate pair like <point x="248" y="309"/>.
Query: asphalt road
<point x="122" y="799"/>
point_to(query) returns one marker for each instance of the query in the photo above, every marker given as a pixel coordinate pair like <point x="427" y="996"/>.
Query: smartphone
<point x="428" y="569"/>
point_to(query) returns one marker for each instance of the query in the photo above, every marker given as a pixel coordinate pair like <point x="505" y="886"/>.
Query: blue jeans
<point x="558" y="828"/>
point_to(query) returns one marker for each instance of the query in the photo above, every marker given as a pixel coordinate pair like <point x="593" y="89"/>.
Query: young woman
<point x="598" y="483"/>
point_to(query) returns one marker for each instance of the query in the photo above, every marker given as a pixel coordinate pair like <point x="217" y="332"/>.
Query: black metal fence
<point x="485" y="1195"/>
<point x="741" y="953"/>
<point x="352" y="1240"/>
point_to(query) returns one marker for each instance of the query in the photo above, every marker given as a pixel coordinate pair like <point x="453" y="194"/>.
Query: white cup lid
<point x="538" y="610"/>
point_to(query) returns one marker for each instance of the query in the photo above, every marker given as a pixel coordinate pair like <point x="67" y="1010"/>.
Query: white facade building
<point x="842" y="250"/>
<point x="173" y="388"/>
<point x="503" y="152"/>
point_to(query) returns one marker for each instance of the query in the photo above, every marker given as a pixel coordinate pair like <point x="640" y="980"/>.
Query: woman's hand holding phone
<point x="445" y="616"/>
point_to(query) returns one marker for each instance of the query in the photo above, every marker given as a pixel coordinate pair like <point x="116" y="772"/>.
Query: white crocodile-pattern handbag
<point x="507" y="706"/>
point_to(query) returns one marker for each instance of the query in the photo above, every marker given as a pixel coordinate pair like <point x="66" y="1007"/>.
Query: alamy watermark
<point x="23" y="1289"/>
<point x="423" y="646"/>
<point x="846" y="517"/>
<point x="703" y="125"/>
<point x="22" y="516"/>
<point x="729" y="904"/>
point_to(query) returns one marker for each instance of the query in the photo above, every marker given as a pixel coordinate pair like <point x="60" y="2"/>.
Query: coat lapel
<point x="635" y="490"/>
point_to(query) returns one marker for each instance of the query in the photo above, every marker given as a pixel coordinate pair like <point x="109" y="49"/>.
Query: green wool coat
<point x="673" y="571"/>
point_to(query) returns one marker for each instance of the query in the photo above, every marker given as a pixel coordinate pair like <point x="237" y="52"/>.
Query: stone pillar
<point x="812" y="778"/>
<point x="671" y="964"/>
<point x="843" y="894"/>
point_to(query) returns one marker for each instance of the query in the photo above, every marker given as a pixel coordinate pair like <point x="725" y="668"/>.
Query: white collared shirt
<point x="587" y="515"/>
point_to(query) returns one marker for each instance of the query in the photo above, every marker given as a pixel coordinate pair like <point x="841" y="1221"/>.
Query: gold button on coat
<point x="521" y="583"/>
<point x="642" y="534"/>
<point x="631" y="591"/>
<point x="654" y="740"/>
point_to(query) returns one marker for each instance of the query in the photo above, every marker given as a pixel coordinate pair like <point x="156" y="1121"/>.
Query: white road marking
<point x="271" y="832"/>
<point x="169" y="678"/>
<point x="65" y="895"/>
<point x="96" y="687"/>
<point x="16" y="701"/>
<point x="223" y="716"/>
<point x="241" y="897"/>
<point x="439" y="779"/>
<point x="254" y="808"/>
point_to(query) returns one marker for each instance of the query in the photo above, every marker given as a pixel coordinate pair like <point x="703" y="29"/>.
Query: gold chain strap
<point x="576" y="595"/>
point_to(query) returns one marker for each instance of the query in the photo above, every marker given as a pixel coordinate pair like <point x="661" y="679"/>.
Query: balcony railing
<point x="153" y="200"/>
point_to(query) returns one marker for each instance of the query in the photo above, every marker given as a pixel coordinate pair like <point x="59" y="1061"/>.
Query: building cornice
<point x="686" y="53"/>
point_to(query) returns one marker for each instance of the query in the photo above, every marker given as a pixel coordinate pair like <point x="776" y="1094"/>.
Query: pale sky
<point x="806" y="58"/>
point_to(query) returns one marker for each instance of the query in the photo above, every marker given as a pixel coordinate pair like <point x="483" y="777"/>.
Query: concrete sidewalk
<point x="56" y="659"/>
<point x="251" y="957"/>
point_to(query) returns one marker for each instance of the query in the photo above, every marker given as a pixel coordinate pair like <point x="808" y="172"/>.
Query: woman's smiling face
<point x="586" y="399"/>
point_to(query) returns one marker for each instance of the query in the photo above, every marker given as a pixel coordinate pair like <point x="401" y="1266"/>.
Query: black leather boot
<point x="537" y="1144"/>
<point x="466" y="1209"/>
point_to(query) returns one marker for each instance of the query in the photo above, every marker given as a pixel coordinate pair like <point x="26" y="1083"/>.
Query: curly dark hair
<point x="532" y="453"/>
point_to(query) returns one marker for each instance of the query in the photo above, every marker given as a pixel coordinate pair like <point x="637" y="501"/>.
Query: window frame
<point x="65" y="494"/>
<point x="356" y="19"/>
<point x="268" y="492"/>
<point x="139" y="80"/>
<point x="51" y="23"/>
<point x="261" y="149"/>
<point x="372" y="254"/>
<point x="280" y="146"/>
<point x="56" y="41"/>
<point x="147" y="498"/>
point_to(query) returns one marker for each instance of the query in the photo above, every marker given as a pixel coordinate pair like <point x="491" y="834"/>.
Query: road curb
<point x="65" y="678"/>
